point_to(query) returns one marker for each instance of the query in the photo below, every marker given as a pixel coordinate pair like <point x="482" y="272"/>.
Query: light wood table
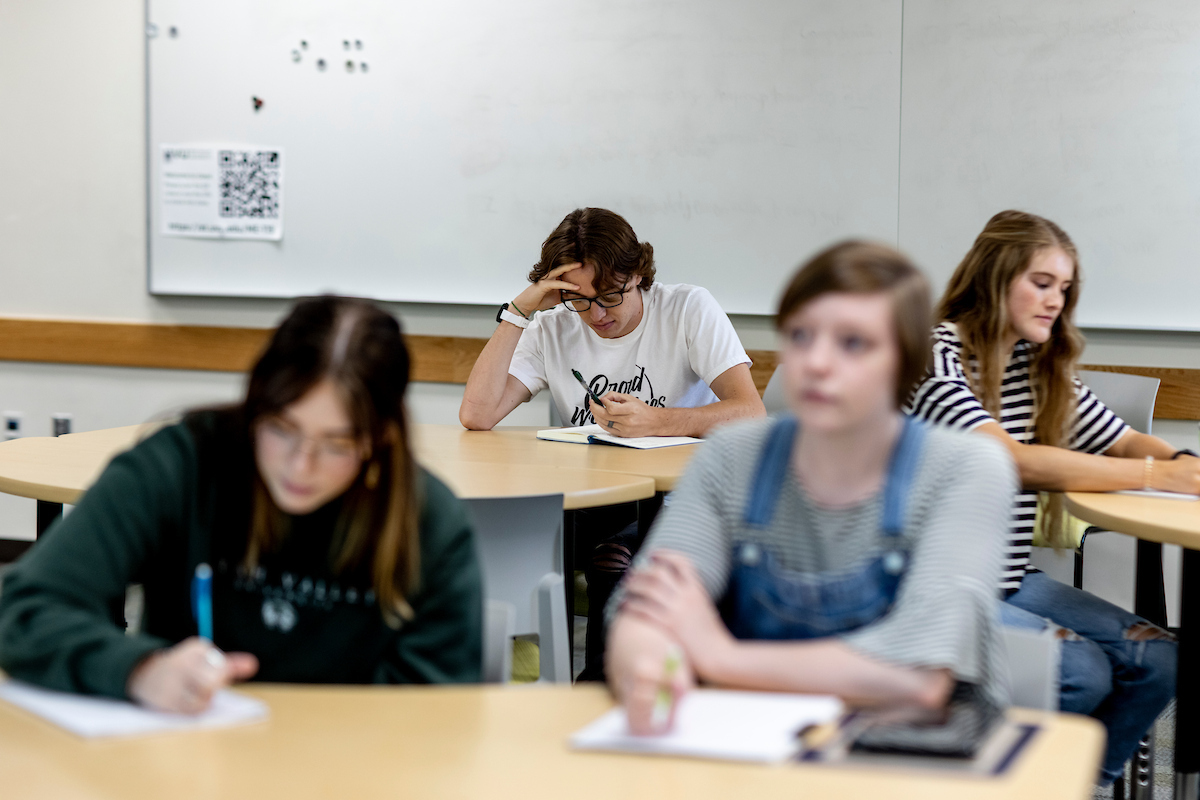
<point x="520" y="445"/>
<point x="1168" y="522"/>
<point x="469" y="742"/>
<point x="57" y="470"/>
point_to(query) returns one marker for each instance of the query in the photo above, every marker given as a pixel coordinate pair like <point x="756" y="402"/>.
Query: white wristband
<point x="515" y="319"/>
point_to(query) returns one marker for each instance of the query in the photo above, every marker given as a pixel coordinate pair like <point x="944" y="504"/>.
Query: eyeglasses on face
<point x="283" y="438"/>
<point x="581" y="304"/>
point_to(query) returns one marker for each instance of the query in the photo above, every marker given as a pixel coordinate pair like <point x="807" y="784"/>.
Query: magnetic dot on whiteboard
<point x="349" y="66"/>
<point x="295" y="55"/>
<point x="320" y="63"/>
<point x="363" y="66"/>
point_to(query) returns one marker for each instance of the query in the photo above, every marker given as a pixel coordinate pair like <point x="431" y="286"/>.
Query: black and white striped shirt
<point x="945" y="398"/>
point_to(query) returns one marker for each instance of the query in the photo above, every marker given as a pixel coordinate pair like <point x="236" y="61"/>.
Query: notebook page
<point x="719" y="724"/>
<point x="96" y="717"/>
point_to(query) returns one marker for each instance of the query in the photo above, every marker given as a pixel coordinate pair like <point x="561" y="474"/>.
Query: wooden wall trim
<point x="439" y="359"/>
<point x="436" y="359"/>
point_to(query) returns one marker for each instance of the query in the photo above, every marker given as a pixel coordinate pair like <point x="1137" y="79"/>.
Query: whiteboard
<point x="1086" y="112"/>
<point x="737" y="138"/>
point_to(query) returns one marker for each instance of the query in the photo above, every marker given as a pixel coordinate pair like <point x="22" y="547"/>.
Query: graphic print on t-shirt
<point x="640" y="386"/>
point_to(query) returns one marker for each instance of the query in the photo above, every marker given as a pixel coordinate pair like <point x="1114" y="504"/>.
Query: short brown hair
<point x="603" y="239"/>
<point x="867" y="268"/>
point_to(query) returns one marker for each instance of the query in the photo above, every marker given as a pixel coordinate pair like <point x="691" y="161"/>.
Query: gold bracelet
<point x="1148" y="473"/>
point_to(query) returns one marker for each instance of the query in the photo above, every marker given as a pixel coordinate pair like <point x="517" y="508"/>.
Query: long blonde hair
<point x="976" y="300"/>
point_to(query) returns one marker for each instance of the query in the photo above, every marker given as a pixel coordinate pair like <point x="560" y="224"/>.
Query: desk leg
<point x="1187" y="690"/>
<point x="1149" y="596"/>
<point x="568" y="552"/>
<point x="47" y="514"/>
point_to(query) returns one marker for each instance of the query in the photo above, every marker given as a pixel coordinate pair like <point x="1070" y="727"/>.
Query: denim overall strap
<point x="771" y="472"/>
<point x="901" y="469"/>
<point x="766" y="601"/>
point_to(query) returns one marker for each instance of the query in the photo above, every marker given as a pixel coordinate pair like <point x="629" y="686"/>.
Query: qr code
<point x="249" y="183"/>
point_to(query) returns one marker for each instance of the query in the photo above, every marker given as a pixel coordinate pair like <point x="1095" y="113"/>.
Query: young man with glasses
<point x="664" y="359"/>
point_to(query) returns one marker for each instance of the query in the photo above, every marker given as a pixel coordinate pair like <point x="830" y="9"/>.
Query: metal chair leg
<point x="1141" y="770"/>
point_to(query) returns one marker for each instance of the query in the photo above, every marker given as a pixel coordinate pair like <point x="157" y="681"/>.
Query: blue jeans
<point x="1116" y="666"/>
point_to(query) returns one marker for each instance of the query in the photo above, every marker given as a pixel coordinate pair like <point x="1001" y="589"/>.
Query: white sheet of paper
<point x="221" y="191"/>
<point x="96" y="717"/>
<point x="719" y="724"/>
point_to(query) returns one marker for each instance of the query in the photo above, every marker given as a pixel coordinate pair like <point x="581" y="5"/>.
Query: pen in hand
<point x="595" y="397"/>
<point x="664" y="699"/>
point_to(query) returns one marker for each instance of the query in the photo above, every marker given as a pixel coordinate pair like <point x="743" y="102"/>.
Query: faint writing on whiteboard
<point x="221" y="191"/>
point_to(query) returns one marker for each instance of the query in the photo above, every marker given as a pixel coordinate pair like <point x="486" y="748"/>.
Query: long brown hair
<point x="360" y="350"/>
<point x="868" y="268"/>
<point x="603" y="239"/>
<point x="976" y="300"/>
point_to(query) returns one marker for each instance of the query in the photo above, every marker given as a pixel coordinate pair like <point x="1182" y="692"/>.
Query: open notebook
<point x="97" y="717"/>
<point x="720" y="724"/>
<point x="594" y="434"/>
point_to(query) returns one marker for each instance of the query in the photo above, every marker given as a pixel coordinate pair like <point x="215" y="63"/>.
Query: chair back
<point x="1033" y="666"/>
<point x="1130" y="397"/>
<point x="519" y="541"/>
<point x="773" y="395"/>
<point x="499" y="625"/>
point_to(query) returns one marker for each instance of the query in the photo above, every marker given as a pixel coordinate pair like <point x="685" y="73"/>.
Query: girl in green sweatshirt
<point x="335" y="558"/>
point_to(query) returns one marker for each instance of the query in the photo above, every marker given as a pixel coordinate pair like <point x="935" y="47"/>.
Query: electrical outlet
<point x="12" y="424"/>
<point x="60" y="423"/>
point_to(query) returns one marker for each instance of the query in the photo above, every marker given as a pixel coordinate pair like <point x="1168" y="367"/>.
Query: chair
<point x="1130" y="397"/>
<point x="520" y="555"/>
<point x="499" y="625"/>
<point x="1033" y="659"/>
<point x="773" y="397"/>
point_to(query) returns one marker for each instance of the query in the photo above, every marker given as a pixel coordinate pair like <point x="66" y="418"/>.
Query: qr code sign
<point x="249" y="182"/>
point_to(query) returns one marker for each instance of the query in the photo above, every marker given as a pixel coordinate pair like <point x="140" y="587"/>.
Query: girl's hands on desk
<point x="183" y="678"/>
<point x="543" y="295"/>
<point x="668" y="594"/>
<point x="627" y="416"/>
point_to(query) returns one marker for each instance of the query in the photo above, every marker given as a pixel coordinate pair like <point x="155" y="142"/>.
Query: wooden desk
<point x="1168" y="522"/>
<point x="59" y="470"/>
<point x="520" y="445"/>
<point x="468" y="742"/>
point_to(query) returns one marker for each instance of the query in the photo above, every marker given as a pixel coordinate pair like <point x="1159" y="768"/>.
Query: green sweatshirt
<point x="182" y="497"/>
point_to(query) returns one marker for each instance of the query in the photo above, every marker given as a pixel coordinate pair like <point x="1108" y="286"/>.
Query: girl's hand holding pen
<point x="652" y="694"/>
<point x="626" y="415"/>
<point x="184" y="678"/>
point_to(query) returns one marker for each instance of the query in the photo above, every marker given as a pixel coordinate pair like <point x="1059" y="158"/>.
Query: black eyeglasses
<point x="581" y="304"/>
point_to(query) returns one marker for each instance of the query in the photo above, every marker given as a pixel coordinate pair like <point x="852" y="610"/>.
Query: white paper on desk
<point x="96" y="717"/>
<point x="1158" y="494"/>
<point x="221" y="191"/>
<point x="594" y="434"/>
<point x="719" y="724"/>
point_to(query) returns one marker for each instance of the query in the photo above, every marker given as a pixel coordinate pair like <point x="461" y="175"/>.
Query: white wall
<point x="72" y="233"/>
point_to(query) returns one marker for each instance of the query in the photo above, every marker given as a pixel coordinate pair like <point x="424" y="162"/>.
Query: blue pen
<point x="202" y="601"/>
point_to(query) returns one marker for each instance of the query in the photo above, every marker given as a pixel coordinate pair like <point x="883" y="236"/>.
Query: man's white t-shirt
<point x="682" y="343"/>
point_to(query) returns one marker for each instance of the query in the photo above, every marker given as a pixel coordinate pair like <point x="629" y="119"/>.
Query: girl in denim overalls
<point x="839" y="548"/>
